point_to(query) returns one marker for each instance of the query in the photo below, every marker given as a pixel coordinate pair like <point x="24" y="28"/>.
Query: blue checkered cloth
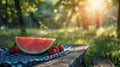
<point x="25" y="60"/>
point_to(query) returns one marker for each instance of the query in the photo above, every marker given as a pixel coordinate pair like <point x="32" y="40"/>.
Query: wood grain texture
<point x="74" y="59"/>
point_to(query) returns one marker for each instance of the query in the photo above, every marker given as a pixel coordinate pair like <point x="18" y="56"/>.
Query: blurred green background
<point x="92" y="22"/>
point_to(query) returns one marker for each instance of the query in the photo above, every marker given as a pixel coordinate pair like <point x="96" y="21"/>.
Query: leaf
<point x="13" y="43"/>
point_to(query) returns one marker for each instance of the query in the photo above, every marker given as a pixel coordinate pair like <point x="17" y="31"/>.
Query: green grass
<point x="104" y="45"/>
<point x="16" y="32"/>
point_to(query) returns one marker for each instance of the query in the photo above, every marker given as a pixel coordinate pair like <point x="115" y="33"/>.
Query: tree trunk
<point x="78" y="21"/>
<point x="6" y="14"/>
<point x="70" y="17"/>
<point x="36" y="22"/>
<point x="97" y="19"/>
<point x="84" y="18"/>
<point x="20" y="17"/>
<point x="0" y="12"/>
<point x="118" y="21"/>
<point x="72" y="13"/>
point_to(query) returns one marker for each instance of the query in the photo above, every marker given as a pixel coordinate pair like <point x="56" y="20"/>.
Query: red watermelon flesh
<point x="33" y="45"/>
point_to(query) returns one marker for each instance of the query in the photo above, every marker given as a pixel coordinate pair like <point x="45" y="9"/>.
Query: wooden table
<point x="73" y="59"/>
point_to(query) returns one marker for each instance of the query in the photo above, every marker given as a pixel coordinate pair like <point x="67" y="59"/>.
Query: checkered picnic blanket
<point x="25" y="60"/>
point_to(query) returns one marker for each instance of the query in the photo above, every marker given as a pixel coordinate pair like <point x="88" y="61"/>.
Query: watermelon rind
<point x="36" y="53"/>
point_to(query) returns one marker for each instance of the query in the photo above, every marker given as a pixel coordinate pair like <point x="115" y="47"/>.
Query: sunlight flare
<point x="96" y="4"/>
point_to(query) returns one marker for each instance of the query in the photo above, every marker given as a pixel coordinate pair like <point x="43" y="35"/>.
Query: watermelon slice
<point x="32" y="45"/>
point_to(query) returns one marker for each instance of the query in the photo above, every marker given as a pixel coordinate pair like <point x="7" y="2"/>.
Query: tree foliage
<point x="51" y="14"/>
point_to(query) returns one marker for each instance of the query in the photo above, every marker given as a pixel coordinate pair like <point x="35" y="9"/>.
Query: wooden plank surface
<point x="103" y="62"/>
<point x="73" y="59"/>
